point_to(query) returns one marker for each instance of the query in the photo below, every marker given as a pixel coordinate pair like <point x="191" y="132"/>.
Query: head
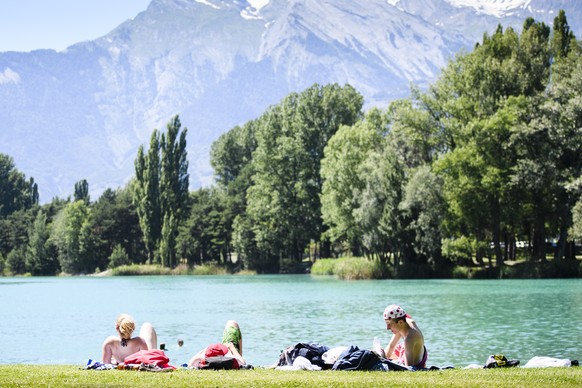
<point x="395" y="318"/>
<point x="125" y="325"/>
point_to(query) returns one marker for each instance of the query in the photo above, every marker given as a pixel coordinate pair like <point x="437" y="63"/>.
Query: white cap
<point x="394" y="311"/>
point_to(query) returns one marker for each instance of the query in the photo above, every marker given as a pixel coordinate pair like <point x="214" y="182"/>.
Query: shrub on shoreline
<point x="349" y="268"/>
<point x="140" y="270"/>
<point x="155" y="269"/>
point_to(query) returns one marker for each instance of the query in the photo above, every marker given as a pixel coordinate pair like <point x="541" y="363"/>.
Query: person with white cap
<point x="411" y="352"/>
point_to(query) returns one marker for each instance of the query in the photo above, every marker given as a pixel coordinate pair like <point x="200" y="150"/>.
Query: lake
<point x="65" y="320"/>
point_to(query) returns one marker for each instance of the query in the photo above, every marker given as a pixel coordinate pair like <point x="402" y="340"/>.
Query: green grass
<point x="69" y="376"/>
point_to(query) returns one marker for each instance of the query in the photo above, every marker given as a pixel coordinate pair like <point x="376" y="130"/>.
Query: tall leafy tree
<point x="343" y="181"/>
<point x="283" y="202"/>
<point x="379" y="215"/>
<point x="16" y="193"/>
<point x="161" y="191"/>
<point x="147" y="194"/>
<point x="231" y="156"/>
<point x="115" y="224"/>
<point x="39" y="256"/>
<point x="14" y="238"/>
<point x="69" y="234"/>
<point x="174" y="181"/>
<point x="473" y="102"/>
<point x="203" y="237"/>
<point x="424" y="206"/>
<point x="82" y="191"/>
<point x="563" y="39"/>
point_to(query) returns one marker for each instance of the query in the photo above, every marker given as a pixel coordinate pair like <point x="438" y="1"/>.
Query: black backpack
<point x="220" y="362"/>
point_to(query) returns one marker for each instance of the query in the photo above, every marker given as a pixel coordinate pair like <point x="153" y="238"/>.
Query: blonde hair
<point x="125" y="325"/>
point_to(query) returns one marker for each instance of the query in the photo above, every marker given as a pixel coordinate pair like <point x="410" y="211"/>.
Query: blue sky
<point x="26" y="25"/>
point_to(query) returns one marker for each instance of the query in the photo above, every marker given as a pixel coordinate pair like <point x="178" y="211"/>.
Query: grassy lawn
<point x="68" y="376"/>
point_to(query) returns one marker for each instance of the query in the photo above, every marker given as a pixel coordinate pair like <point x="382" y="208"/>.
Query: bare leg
<point x="148" y="334"/>
<point x="228" y="333"/>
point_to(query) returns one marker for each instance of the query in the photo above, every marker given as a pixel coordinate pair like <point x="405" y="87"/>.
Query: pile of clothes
<point x="314" y="356"/>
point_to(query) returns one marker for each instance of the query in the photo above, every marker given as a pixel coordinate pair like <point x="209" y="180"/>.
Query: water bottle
<point x="377" y="348"/>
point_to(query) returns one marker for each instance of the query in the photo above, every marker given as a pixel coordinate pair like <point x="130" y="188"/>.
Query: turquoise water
<point x="65" y="320"/>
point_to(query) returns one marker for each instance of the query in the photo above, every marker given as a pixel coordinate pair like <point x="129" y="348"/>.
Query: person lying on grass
<point x="117" y="348"/>
<point x="230" y="346"/>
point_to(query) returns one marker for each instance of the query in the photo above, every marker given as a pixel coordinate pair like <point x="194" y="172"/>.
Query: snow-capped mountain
<point x="82" y="113"/>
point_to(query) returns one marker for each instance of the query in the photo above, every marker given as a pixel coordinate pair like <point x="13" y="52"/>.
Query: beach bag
<point x="220" y="362"/>
<point x="150" y="357"/>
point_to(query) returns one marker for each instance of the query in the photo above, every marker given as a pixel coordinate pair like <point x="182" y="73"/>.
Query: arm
<point x="232" y="350"/>
<point x="392" y="345"/>
<point x="143" y="345"/>
<point x="107" y="351"/>
<point x="197" y="359"/>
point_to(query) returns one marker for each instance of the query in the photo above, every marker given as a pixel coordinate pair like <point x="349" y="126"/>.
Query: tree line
<point x="484" y="166"/>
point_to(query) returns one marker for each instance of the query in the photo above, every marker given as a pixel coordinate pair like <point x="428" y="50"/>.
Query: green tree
<point x="379" y="215"/>
<point x="231" y="157"/>
<point x="480" y="102"/>
<point x="563" y="38"/>
<point x="118" y="257"/>
<point x="174" y="181"/>
<point x="16" y="260"/>
<point x="14" y="233"/>
<point x="203" y="237"/>
<point x="82" y="191"/>
<point x="147" y="195"/>
<point x="161" y="191"/>
<point x="283" y="202"/>
<point x="232" y="153"/>
<point x="115" y="223"/>
<point x="69" y="234"/>
<point x="424" y="206"/>
<point x="39" y="256"/>
<point x="16" y="193"/>
<point x="343" y="182"/>
<point x="576" y="229"/>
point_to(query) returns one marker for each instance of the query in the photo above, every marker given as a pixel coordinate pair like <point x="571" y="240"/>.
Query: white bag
<point x="547" y="362"/>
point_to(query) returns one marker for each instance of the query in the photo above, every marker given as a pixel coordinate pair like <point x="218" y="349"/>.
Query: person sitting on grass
<point x="117" y="348"/>
<point x="411" y="352"/>
<point x="230" y="346"/>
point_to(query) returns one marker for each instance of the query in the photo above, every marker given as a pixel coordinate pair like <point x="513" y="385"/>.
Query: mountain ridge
<point x="82" y="112"/>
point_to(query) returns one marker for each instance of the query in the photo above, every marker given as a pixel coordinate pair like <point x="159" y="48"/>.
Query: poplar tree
<point x="563" y="36"/>
<point x="161" y="192"/>
<point x="82" y="191"/>
<point x="147" y="194"/>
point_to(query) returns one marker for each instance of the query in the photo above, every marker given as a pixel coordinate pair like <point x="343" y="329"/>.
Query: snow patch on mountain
<point x="258" y="4"/>
<point x="253" y="11"/>
<point x="205" y="2"/>
<point x="9" y="76"/>
<point x="490" y="7"/>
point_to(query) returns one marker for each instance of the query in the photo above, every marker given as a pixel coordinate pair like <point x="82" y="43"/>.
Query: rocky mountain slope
<point x="82" y="113"/>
